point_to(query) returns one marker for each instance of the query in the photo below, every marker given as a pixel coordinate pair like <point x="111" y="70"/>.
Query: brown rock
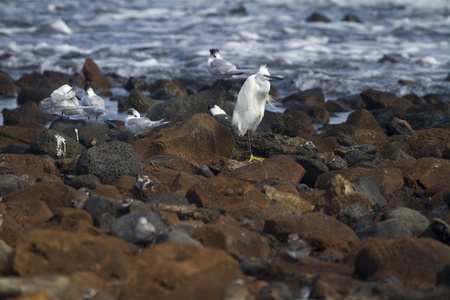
<point x="168" y="85"/>
<point x="319" y="112"/>
<point x="430" y="172"/>
<point x="376" y="99"/>
<point x="177" y="182"/>
<point x="414" y="261"/>
<point x="303" y="121"/>
<point x="28" y="115"/>
<point x="318" y="229"/>
<point x="200" y="140"/>
<point x="287" y="188"/>
<point x="223" y="192"/>
<point x="10" y="231"/>
<point x="254" y="214"/>
<point x="7" y="85"/>
<point x="136" y="100"/>
<point x="54" y="194"/>
<point x="44" y="252"/>
<point x="73" y="220"/>
<point x="108" y="191"/>
<point x="296" y="202"/>
<point x="363" y="119"/>
<point x="333" y="286"/>
<point x="180" y="271"/>
<point x="305" y="269"/>
<point x="430" y="142"/>
<point x="310" y="97"/>
<point x="26" y="213"/>
<point x="92" y="73"/>
<point x="389" y="179"/>
<point x="172" y="162"/>
<point x="339" y="193"/>
<point x="229" y="235"/>
<point x="336" y="106"/>
<point x="14" y="135"/>
<point x="24" y="164"/>
<point x="280" y="167"/>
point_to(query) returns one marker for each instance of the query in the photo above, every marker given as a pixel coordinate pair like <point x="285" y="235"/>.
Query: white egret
<point x="96" y="103"/>
<point x="139" y="125"/>
<point x="63" y="100"/>
<point x="251" y="102"/>
<point x="219" y="67"/>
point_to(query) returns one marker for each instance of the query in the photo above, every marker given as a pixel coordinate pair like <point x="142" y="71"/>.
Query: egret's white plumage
<point x="219" y="67"/>
<point x="63" y="100"/>
<point x="139" y="125"/>
<point x="96" y="103"/>
<point x="251" y="102"/>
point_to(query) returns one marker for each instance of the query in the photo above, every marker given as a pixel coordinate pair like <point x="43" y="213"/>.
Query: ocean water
<point x="172" y="38"/>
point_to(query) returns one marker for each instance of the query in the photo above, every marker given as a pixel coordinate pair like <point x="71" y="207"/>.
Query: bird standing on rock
<point x="139" y="125"/>
<point x="297" y="247"/>
<point x="251" y="103"/>
<point x="63" y="100"/>
<point x="91" y="99"/>
<point x="219" y="67"/>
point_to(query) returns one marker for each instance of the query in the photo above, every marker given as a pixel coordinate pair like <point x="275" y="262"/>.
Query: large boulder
<point x="109" y="161"/>
<point x="56" y="144"/>
<point x="88" y="132"/>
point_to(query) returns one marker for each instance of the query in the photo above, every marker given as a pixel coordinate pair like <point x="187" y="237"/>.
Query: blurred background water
<point x="397" y="39"/>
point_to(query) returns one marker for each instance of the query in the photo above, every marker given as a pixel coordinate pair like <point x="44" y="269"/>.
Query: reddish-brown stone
<point x="92" y="74"/>
<point x="430" y="143"/>
<point x="24" y="164"/>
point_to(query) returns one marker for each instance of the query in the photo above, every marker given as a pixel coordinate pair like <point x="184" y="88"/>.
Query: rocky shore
<point x="370" y="196"/>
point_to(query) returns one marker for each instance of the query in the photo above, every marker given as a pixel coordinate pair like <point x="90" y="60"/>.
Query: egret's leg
<point x="250" y="147"/>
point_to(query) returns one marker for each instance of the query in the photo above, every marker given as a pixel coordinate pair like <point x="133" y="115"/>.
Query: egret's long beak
<point x="271" y="77"/>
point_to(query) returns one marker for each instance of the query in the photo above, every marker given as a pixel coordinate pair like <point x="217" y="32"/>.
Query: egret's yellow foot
<point x="256" y="158"/>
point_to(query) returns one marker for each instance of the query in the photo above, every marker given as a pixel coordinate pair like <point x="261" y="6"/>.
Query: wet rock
<point x="28" y="115"/>
<point x="425" y="121"/>
<point x="411" y="219"/>
<point x="7" y="85"/>
<point x="280" y="167"/>
<point x="26" y="213"/>
<point x="92" y="74"/>
<point x="24" y="164"/>
<point x="184" y="107"/>
<point x="398" y="127"/>
<point x="42" y="252"/>
<point x="170" y="87"/>
<point x="438" y="230"/>
<point x="430" y="143"/>
<point x="8" y="184"/>
<point x="296" y="122"/>
<point x="136" y="100"/>
<point x="318" y="229"/>
<point x="336" y="106"/>
<point x="53" y="194"/>
<point x="89" y="181"/>
<point x="109" y="161"/>
<point x="389" y="229"/>
<point x="425" y="258"/>
<point x="205" y="171"/>
<point x="56" y="145"/>
<point x="311" y="97"/>
<point x="136" y="83"/>
<point x="229" y="235"/>
<point x="88" y="132"/>
<point x="199" y="140"/>
<point x="179" y="271"/>
<point x="319" y="112"/>
<point x="351" y="18"/>
<point x="356" y="157"/>
<point x="28" y="95"/>
<point x="101" y="207"/>
<point x="318" y="17"/>
<point x="223" y="192"/>
<point x="376" y="99"/>
<point x="124" y="226"/>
